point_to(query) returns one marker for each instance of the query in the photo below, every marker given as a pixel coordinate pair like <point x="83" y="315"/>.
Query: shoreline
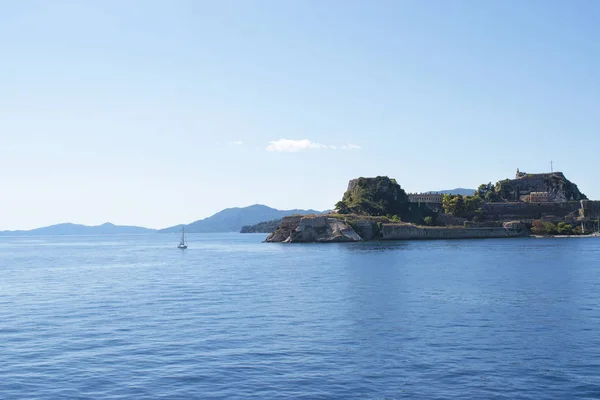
<point x="563" y="236"/>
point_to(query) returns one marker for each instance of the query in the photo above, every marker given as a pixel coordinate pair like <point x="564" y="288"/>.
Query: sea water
<point x="133" y="317"/>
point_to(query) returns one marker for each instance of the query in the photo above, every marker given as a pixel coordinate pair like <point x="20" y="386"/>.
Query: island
<point x="379" y="209"/>
<point x="262" y="227"/>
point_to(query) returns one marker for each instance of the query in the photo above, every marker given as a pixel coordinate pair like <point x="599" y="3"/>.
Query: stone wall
<point x="407" y="232"/>
<point x="591" y="209"/>
<point x="512" y="211"/>
<point x="352" y="185"/>
<point x="368" y="230"/>
<point x="449" y="220"/>
<point x="483" y="224"/>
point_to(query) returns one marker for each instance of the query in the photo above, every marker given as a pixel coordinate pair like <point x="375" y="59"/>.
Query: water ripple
<point x="233" y="318"/>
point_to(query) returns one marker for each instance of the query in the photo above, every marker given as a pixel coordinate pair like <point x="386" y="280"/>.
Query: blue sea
<point x="133" y="317"/>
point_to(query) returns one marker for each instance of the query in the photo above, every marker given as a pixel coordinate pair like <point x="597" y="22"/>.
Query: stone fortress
<point x="515" y="205"/>
<point x="543" y="188"/>
<point x="548" y="196"/>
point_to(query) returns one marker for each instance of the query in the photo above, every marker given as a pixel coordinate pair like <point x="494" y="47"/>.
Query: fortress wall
<point x="592" y="209"/>
<point x="449" y="220"/>
<point x="406" y="232"/>
<point x="352" y="185"/>
<point x="530" y="184"/>
<point x="366" y="229"/>
<point x="509" y="211"/>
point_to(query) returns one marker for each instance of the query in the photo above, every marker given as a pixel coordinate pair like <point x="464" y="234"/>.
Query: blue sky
<point x="156" y="113"/>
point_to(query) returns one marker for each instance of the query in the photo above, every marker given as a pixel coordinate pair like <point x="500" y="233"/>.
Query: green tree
<point x="472" y="203"/>
<point x="342" y="207"/>
<point x="550" y="228"/>
<point x="491" y="196"/>
<point x="479" y="215"/>
<point x="394" y="218"/>
<point x="428" y="220"/>
<point x="449" y="203"/>
<point x="374" y="196"/>
<point x="487" y="192"/>
<point x="503" y="190"/>
<point x="460" y="206"/>
<point x="537" y="227"/>
<point x="484" y="189"/>
<point x="540" y="227"/>
<point x="453" y="204"/>
<point x="564" y="229"/>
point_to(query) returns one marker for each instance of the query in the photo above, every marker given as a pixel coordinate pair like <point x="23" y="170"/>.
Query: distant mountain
<point x="75" y="229"/>
<point x="233" y="219"/>
<point x="462" y="191"/>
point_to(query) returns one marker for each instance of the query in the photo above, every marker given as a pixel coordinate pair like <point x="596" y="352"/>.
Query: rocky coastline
<point x="379" y="209"/>
<point x="324" y="229"/>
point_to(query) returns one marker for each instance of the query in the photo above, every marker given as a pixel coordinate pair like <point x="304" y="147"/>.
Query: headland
<point x="545" y="204"/>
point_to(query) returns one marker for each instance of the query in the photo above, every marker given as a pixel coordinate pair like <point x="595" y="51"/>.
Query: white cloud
<point x="236" y="142"/>
<point x="292" y="146"/>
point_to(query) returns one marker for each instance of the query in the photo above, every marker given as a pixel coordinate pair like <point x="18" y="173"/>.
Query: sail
<point x="182" y="241"/>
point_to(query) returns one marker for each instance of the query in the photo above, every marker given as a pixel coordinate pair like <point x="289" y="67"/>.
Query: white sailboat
<point x="182" y="245"/>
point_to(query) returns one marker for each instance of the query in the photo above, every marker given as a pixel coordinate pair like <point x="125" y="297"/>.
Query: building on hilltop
<point x="525" y="175"/>
<point x="550" y="187"/>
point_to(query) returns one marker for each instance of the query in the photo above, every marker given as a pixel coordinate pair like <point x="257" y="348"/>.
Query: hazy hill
<point x="462" y="191"/>
<point x="262" y="227"/>
<point x="233" y="219"/>
<point x="76" y="229"/>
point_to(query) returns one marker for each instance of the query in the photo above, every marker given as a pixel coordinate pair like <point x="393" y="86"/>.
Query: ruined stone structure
<point x="545" y="187"/>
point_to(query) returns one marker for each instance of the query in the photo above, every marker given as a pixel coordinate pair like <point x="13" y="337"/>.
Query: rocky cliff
<point x="285" y="229"/>
<point x="313" y="229"/>
<point x="320" y="229"/>
<point x="379" y="196"/>
<point x="382" y="196"/>
<point x="556" y="185"/>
